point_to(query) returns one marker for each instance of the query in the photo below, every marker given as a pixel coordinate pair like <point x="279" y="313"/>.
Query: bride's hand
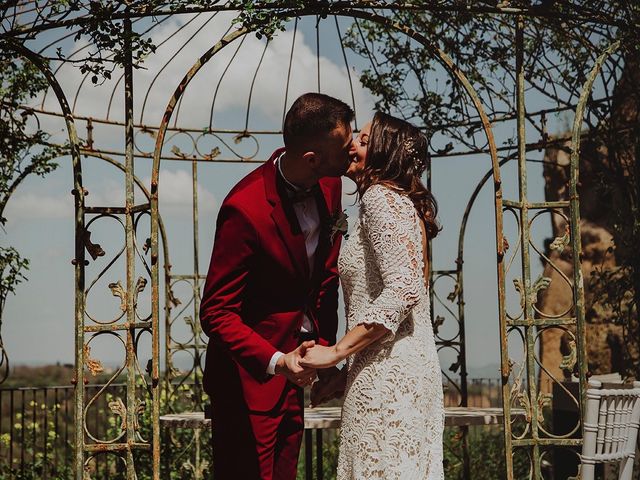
<point x="320" y="357"/>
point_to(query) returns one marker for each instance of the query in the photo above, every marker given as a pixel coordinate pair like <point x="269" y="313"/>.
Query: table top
<point x="329" y="417"/>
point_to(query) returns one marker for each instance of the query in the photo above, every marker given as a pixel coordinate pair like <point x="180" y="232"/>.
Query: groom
<point x="271" y="292"/>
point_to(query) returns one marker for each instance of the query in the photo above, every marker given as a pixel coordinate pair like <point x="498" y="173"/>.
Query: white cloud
<point x="33" y="206"/>
<point x="176" y="194"/>
<point x="267" y="100"/>
<point x="107" y="192"/>
<point x="175" y="198"/>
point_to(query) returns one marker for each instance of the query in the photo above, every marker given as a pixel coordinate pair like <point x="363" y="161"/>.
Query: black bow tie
<point x="302" y="195"/>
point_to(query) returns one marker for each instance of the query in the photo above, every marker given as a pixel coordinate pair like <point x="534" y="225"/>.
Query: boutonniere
<point x="339" y="224"/>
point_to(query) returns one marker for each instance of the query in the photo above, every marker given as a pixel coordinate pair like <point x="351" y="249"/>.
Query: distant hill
<point x="491" y="371"/>
<point x="38" y="376"/>
<point x="62" y="374"/>
<point x="47" y="376"/>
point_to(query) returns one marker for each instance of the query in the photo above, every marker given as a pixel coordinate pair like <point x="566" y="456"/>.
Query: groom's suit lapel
<point x="285" y="218"/>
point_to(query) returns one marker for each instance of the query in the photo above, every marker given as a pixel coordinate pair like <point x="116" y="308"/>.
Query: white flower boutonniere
<point x="339" y="224"/>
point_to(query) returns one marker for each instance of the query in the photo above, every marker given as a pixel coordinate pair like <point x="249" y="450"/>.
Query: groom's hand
<point x="289" y="366"/>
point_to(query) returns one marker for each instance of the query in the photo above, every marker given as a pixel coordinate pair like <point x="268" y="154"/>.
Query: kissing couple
<point x="270" y="303"/>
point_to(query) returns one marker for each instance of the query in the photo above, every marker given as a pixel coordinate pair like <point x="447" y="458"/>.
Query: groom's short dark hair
<point x="314" y="114"/>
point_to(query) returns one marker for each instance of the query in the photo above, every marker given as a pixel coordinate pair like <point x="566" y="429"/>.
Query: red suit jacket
<point x="258" y="287"/>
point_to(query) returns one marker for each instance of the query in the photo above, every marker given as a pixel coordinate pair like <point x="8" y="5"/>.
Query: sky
<point x="38" y="322"/>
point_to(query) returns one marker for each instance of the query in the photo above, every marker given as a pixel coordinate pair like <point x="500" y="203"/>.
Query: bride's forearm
<point x="358" y="338"/>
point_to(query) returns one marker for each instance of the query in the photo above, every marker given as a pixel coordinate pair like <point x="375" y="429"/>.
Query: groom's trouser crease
<point x="258" y="445"/>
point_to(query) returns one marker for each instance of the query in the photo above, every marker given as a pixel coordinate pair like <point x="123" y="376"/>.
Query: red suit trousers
<point x="258" y="445"/>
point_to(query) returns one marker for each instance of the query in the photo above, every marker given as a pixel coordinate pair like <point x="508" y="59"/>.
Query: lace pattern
<point x="393" y="415"/>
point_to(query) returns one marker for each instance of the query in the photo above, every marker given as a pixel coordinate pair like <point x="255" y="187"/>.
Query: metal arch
<point x="537" y="11"/>
<point x="536" y="438"/>
<point x="115" y="87"/>
<point x="253" y="83"/>
<point x="462" y="232"/>
<point x="346" y="64"/>
<point x="575" y="214"/>
<point x="449" y="65"/>
<point x="198" y="134"/>
<point x="117" y="81"/>
<point x="171" y="58"/>
<point x="163" y="233"/>
<point x="79" y="254"/>
<point x="134" y="440"/>
<point x="436" y="53"/>
<point x="170" y="108"/>
<point x="471" y="202"/>
<point x="461" y="236"/>
<point x="163" y="236"/>
<point x="236" y="157"/>
<point x="500" y="246"/>
<point x="447" y="62"/>
<point x="286" y="89"/>
<point x="156" y="166"/>
<point x="154" y="212"/>
<point x="222" y="75"/>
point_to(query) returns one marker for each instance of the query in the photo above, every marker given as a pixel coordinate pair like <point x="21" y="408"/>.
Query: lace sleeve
<point x="388" y="221"/>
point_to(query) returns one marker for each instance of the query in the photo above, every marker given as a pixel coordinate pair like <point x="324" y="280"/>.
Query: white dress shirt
<point x="309" y="220"/>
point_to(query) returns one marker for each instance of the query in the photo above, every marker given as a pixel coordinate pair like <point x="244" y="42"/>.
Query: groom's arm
<point x="232" y="259"/>
<point x="327" y="304"/>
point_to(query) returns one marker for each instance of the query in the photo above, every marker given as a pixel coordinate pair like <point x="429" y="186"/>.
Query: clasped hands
<point x="301" y="366"/>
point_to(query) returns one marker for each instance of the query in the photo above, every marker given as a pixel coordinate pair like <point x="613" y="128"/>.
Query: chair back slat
<point x="602" y="421"/>
<point x="611" y="424"/>
<point x="617" y="424"/>
<point x="611" y="420"/>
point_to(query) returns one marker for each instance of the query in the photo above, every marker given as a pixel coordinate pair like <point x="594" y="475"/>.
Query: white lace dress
<point x="393" y="414"/>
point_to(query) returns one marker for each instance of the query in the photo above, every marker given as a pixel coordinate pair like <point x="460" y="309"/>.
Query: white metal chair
<point x="611" y="424"/>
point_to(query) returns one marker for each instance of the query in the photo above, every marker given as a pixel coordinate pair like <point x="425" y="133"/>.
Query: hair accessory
<point x="409" y="146"/>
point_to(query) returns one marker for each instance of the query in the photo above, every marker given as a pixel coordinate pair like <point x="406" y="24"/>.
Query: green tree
<point x="561" y="43"/>
<point x="23" y="151"/>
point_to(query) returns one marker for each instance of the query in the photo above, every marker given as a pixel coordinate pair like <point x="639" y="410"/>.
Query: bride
<point x="393" y="415"/>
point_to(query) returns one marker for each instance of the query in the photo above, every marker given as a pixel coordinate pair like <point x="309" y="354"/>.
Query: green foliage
<point x="266" y="22"/>
<point x="617" y="289"/>
<point x="23" y="148"/>
<point x="105" y="26"/>
<point x="183" y="450"/>
<point x="110" y="38"/>
<point x="486" y="454"/>
<point x="559" y="48"/>
<point x="11" y="267"/>
<point x="561" y="43"/>
<point x="41" y="455"/>
<point x="22" y="152"/>
<point x="330" y="448"/>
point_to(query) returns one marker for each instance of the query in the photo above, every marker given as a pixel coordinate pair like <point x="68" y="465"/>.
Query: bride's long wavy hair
<point x="397" y="156"/>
